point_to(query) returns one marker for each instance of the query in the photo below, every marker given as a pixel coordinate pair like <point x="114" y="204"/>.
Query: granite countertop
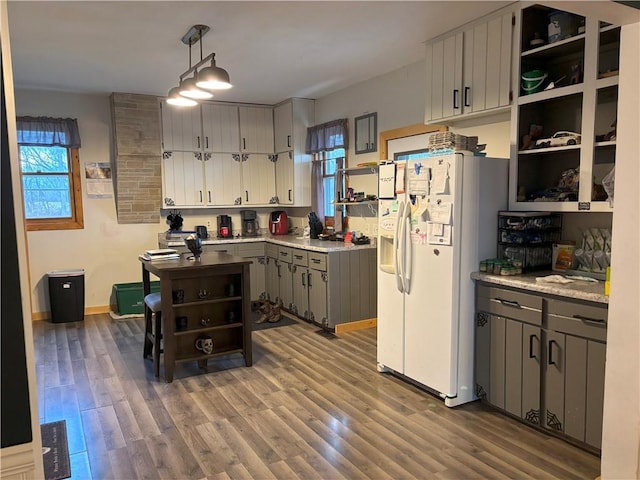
<point x="580" y="290"/>
<point x="323" y="246"/>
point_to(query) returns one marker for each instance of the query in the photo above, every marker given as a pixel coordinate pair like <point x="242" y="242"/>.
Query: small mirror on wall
<point x="367" y="133"/>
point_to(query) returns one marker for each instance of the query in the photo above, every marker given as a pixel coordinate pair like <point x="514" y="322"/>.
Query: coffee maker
<point x="224" y="226"/>
<point x="249" y="223"/>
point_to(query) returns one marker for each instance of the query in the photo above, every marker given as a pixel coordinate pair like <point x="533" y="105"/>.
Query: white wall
<point x="106" y="250"/>
<point x="398" y="97"/>
<point x="621" y="430"/>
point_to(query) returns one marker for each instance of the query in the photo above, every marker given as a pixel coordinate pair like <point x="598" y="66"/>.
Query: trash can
<point x="66" y="295"/>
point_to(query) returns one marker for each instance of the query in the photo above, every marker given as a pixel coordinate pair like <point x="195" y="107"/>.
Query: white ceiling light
<point x="210" y="78"/>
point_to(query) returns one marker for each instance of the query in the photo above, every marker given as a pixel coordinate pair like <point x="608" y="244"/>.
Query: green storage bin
<point x="130" y="297"/>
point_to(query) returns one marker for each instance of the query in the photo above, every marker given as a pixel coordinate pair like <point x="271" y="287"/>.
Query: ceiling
<point x="272" y="50"/>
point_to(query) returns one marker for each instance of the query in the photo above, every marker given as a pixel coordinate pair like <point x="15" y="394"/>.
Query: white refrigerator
<point x="431" y="236"/>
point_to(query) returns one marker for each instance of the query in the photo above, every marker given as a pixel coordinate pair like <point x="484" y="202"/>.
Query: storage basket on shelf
<point x="528" y="237"/>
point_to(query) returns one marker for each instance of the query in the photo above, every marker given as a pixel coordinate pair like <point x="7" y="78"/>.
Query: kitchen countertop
<point x="323" y="246"/>
<point x="580" y="290"/>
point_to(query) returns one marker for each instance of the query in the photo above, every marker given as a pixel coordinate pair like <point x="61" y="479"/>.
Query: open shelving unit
<point x="583" y="65"/>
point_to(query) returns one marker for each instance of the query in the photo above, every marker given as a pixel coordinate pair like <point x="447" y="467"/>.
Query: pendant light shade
<point x="174" y="98"/>
<point x="213" y="77"/>
<point x="189" y="89"/>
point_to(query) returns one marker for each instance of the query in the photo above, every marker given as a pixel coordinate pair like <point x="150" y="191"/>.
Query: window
<point x="328" y="142"/>
<point x="331" y="163"/>
<point x="50" y="170"/>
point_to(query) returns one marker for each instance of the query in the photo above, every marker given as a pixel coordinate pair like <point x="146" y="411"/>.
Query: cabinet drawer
<point x="579" y="319"/>
<point x="510" y="304"/>
<point x="251" y="249"/>
<point x="284" y="254"/>
<point x="271" y="250"/>
<point x="318" y="261"/>
<point x="300" y="257"/>
<point x="224" y="248"/>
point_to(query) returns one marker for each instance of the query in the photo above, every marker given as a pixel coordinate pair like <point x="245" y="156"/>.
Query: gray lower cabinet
<point x="317" y="281"/>
<point x="257" y="270"/>
<point x="272" y="279"/>
<point x="285" y="279"/>
<point x="328" y="288"/>
<point x="300" y="280"/>
<point x="546" y="369"/>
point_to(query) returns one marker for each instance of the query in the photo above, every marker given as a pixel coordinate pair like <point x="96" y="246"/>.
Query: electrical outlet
<point x="208" y="223"/>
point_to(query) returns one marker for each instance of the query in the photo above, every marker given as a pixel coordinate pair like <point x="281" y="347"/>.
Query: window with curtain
<point x="328" y="142"/>
<point x="50" y="170"/>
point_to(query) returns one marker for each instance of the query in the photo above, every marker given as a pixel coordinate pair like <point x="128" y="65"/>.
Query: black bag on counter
<point x="315" y="225"/>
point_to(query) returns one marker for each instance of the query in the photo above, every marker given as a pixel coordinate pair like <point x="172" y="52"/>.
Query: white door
<point x="181" y="128"/>
<point x="182" y="180"/>
<point x="256" y="129"/>
<point x="284" y="178"/>
<point x="283" y="127"/>
<point x="221" y="129"/>
<point x="258" y="179"/>
<point x="431" y="306"/>
<point x="390" y="344"/>
<point x="223" y="179"/>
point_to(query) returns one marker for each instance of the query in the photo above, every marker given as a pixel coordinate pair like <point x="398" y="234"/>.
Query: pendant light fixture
<point x="195" y="87"/>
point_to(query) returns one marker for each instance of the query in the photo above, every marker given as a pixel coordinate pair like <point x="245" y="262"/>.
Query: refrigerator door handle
<point x="408" y="255"/>
<point x="397" y="236"/>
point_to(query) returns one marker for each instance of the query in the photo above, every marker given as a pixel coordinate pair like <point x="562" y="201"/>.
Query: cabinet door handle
<point x="288" y="140"/>
<point x="509" y="303"/>
<point x="466" y="96"/>
<point x="206" y="141"/>
<point x="278" y="267"/>
<point x="455" y="98"/>
<point x="198" y="137"/>
<point x="589" y="319"/>
<point x="209" y="192"/>
<point x="531" y="354"/>
<point x="244" y="143"/>
<point x="246" y="192"/>
<point x="200" y="196"/>
<point x="303" y="284"/>
<point x="551" y="361"/>
<point x="290" y="195"/>
<point x="309" y="279"/>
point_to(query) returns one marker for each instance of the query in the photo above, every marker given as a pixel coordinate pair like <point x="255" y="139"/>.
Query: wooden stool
<point x="153" y="335"/>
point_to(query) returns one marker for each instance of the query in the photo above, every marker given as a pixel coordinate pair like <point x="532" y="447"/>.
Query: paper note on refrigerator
<point x="440" y="212"/>
<point x="418" y="176"/>
<point x="440" y="175"/>
<point x="438" y="234"/>
<point x="387" y="180"/>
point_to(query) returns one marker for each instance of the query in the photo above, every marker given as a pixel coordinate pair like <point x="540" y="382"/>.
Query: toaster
<point x="278" y="223"/>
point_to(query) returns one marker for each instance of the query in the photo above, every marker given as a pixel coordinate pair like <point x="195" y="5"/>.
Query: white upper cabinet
<point x="283" y="127"/>
<point x="220" y="128"/>
<point x="180" y="128"/>
<point x="256" y="129"/>
<point x="293" y="165"/>
<point x="223" y="179"/>
<point x="469" y="72"/>
<point x="182" y="184"/>
<point x="258" y="179"/>
<point x="284" y="178"/>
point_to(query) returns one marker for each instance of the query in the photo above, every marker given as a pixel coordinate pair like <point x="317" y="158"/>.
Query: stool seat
<point x="153" y="336"/>
<point x="154" y="302"/>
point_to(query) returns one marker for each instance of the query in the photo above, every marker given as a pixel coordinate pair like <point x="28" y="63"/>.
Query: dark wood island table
<point x="202" y="299"/>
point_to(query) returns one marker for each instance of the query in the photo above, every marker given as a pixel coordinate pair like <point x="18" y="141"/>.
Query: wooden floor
<point x="310" y="407"/>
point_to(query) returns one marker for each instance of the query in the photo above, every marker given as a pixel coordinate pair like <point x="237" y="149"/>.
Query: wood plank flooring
<point x="310" y="408"/>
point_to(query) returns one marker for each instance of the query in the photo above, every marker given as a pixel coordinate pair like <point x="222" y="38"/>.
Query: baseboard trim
<point x="359" y="325"/>
<point x="36" y="316"/>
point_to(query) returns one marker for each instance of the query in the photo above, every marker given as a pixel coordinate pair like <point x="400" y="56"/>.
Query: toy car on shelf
<point x="559" y="139"/>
